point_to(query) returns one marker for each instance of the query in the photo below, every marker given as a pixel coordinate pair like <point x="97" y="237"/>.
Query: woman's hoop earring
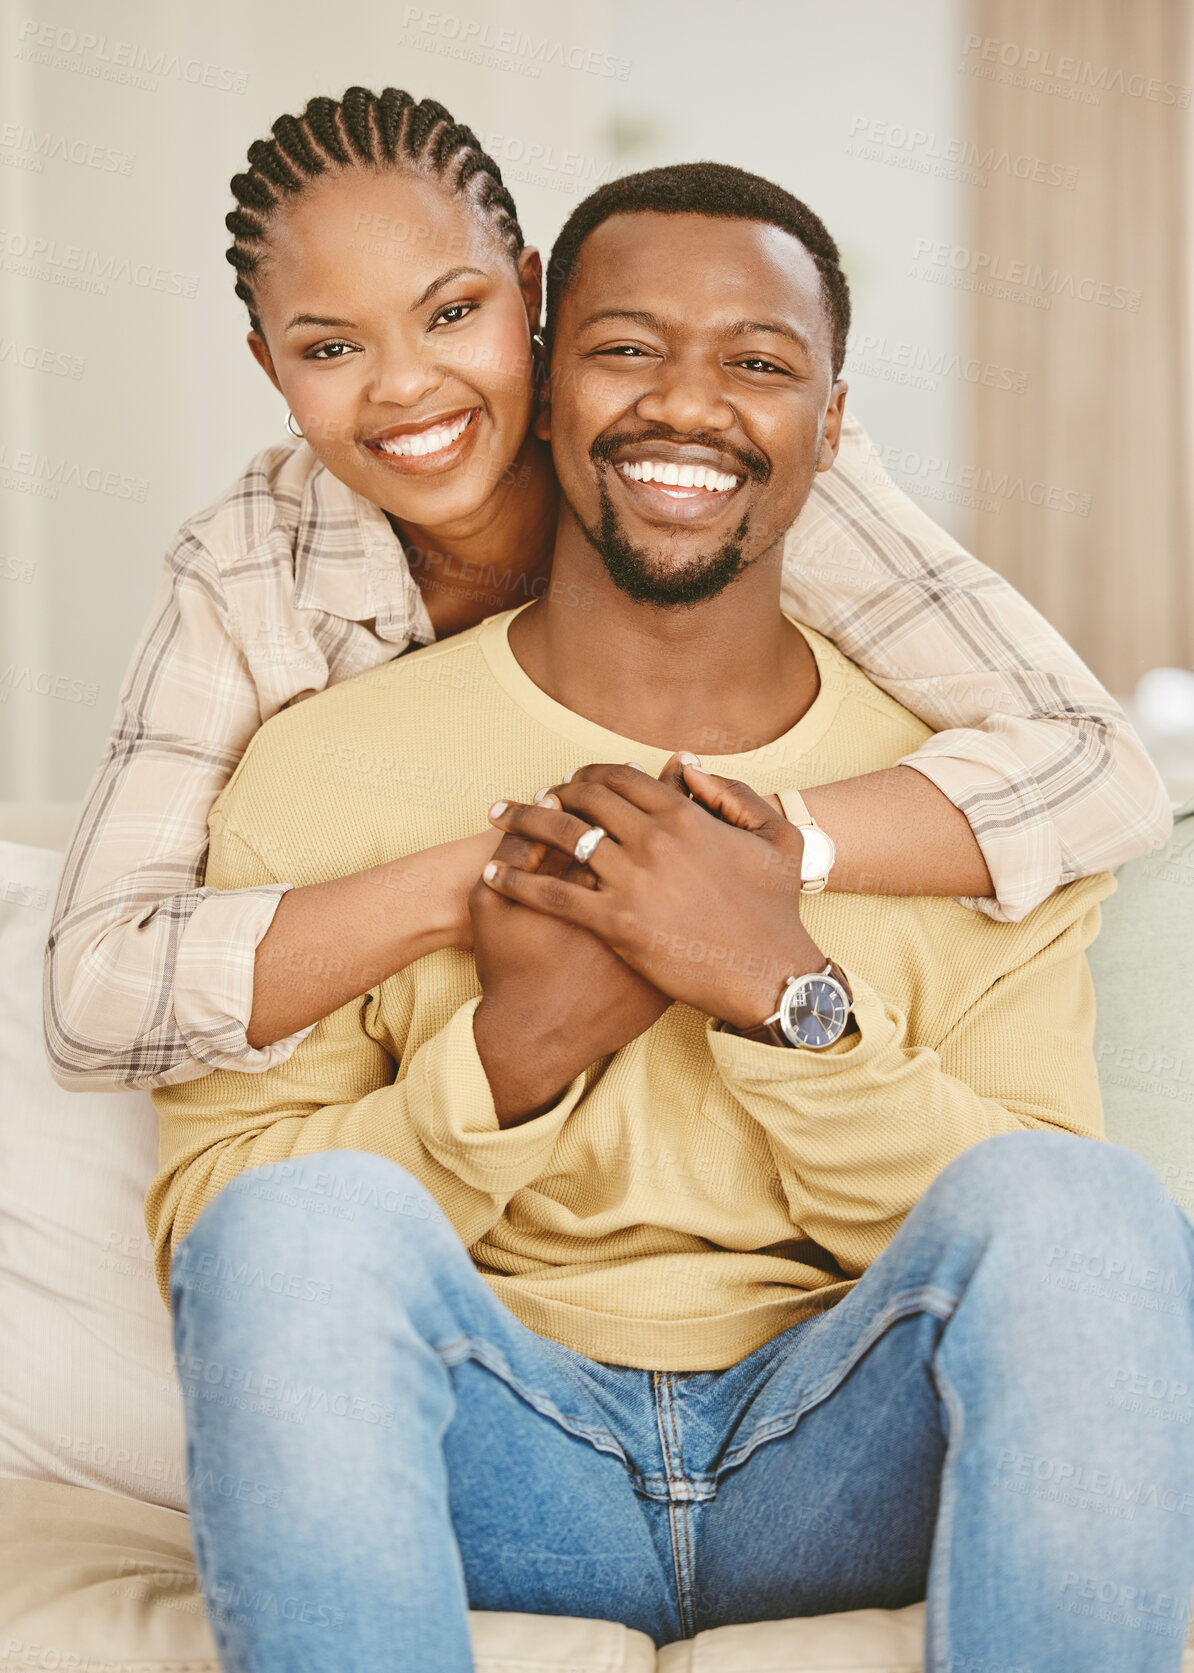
<point x="290" y="426"/>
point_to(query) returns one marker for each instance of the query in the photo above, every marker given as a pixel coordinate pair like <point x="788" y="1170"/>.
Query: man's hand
<point x="705" y="909"/>
<point x="556" y="999"/>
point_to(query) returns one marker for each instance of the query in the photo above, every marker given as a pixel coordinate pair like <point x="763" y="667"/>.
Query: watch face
<point x="818" y="855"/>
<point x="814" y="1012"/>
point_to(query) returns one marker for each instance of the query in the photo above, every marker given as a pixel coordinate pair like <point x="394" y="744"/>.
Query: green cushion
<point x="1143" y="967"/>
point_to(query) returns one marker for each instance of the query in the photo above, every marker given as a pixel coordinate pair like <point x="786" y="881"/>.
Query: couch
<point x="96" y="1570"/>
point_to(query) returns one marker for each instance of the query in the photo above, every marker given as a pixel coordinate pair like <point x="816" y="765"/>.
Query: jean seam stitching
<point x="937" y="1646"/>
<point x="195" y="1513"/>
<point x="902" y="1307"/>
<point x="462" y="1348"/>
<point x="678" y="1511"/>
<point x="658" y="1386"/>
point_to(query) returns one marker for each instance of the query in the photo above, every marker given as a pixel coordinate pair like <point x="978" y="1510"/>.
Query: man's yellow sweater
<point x="697" y="1193"/>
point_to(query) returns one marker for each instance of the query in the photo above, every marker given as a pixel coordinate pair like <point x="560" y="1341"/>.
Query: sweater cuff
<point x="751" y="1065"/>
<point x="450" y="1101"/>
<point x="213" y="979"/>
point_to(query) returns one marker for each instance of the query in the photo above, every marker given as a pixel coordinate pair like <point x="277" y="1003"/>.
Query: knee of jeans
<point x="1034" y="1168"/>
<point x="332" y="1208"/>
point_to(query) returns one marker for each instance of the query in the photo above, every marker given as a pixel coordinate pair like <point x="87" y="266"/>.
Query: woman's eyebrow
<point x="318" y="319"/>
<point x="348" y="325"/>
<point x="445" y="279"/>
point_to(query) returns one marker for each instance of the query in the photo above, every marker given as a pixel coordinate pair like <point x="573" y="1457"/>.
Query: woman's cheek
<point x="324" y="413"/>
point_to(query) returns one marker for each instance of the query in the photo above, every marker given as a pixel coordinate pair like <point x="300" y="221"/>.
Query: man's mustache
<point x="754" y="465"/>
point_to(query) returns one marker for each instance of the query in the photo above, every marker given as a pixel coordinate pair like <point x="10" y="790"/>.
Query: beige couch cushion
<point x="864" y="1641"/>
<point x="98" y="1582"/>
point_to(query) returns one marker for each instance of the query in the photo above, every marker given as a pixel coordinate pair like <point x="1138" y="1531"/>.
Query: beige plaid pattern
<point x="291" y="582"/>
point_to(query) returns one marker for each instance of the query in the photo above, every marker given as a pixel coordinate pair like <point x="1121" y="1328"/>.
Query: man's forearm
<point x="527" y="1072"/>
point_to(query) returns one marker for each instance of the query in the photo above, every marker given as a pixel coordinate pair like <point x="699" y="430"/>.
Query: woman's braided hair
<point x="361" y="130"/>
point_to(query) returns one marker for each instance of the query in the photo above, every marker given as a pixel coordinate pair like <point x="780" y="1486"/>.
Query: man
<point x="713" y="1263"/>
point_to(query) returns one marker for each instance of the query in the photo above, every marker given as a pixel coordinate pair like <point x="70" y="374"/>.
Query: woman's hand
<point x="685" y="773"/>
<point x="449" y="872"/>
<point x="705" y="909"/>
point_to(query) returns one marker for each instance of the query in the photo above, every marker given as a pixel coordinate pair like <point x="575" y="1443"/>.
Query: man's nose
<point x="687" y="394"/>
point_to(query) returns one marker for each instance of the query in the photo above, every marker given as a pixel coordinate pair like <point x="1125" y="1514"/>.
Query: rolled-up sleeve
<point x="1028" y="745"/>
<point x="149" y="974"/>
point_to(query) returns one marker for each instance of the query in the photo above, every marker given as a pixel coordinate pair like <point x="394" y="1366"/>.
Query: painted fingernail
<point x="687" y="759"/>
<point x="568" y="776"/>
<point x="547" y="799"/>
<point x="490" y="871"/>
<point x="637" y="765"/>
<point x="498" y="809"/>
<point x="541" y="795"/>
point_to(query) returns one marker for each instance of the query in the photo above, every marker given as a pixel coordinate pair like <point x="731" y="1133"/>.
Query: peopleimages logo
<point x="878" y="140"/>
<point x="1017" y="279"/>
<point x="60" y="47"/>
<point x="1033" y="66"/>
<point x="31" y="256"/>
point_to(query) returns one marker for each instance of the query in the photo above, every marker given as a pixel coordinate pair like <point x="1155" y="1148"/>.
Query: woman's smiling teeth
<point x="421" y="442"/>
<point x="679" y="476"/>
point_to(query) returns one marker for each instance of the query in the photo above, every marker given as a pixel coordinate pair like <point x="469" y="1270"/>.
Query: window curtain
<point x="1079" y="270"/>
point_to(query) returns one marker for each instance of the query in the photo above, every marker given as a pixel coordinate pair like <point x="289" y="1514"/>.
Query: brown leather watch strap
<point x="771" y="1034"/>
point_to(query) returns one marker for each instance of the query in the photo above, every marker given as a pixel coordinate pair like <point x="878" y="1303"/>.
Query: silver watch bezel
<point x="790" y="999"/>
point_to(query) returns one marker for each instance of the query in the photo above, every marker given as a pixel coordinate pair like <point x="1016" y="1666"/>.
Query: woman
<point x="394" y="304"/>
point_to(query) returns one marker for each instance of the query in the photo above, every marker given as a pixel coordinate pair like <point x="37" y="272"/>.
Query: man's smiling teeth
<point x="679" y="476"/>
<point x="426" y="441"/>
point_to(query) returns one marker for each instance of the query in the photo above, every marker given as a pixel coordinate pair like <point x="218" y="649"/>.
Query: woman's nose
<point x="404" y="378"/>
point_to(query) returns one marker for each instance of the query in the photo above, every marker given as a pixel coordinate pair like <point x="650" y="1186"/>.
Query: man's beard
<point x="651" y="580"/>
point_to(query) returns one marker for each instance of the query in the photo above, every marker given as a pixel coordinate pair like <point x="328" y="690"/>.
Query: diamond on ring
<point x="587" y="842"/>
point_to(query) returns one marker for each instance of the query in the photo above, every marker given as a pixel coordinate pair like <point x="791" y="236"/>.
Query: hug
<point x="600" y="886"/>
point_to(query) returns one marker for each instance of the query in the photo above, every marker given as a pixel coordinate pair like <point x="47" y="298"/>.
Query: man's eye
<point x="757" y="364"/>
<point x="454" y="313"/>
<point x="624" y="350"/>
<point x="329" y="351"/>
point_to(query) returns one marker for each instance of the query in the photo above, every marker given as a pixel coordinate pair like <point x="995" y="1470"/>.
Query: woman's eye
<point x="454" y="313"/>
<point x="329" y="351"/>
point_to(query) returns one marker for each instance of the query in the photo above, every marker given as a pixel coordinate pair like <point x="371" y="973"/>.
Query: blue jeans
<point x="997" y="1417"/>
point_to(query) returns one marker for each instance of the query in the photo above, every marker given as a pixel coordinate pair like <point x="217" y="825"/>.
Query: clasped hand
<point x="692" y="895"/>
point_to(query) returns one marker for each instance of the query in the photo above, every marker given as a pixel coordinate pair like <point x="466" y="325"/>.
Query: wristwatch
<point x="814" y="1012"/>
<point x="819" y="853"/>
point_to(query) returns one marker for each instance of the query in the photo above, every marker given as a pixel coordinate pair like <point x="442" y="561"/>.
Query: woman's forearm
<point x="331" y="942"/>
<point x="896" y="834"/>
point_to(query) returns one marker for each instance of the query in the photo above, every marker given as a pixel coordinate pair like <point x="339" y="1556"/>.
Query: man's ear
<point x="541" y="423"/>
<point x="831" y="433"/>
<point x="530" y="280"/>
<point x="259" y="349"/>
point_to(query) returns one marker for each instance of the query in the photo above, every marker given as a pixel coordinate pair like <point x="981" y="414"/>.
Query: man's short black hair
<point x="704" y="189"/>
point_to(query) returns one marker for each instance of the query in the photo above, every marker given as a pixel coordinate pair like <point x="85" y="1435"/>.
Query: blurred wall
<point x="127" y="396"/>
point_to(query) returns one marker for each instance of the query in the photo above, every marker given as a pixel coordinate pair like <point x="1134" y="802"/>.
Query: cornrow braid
<point x="361" y="130"/>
